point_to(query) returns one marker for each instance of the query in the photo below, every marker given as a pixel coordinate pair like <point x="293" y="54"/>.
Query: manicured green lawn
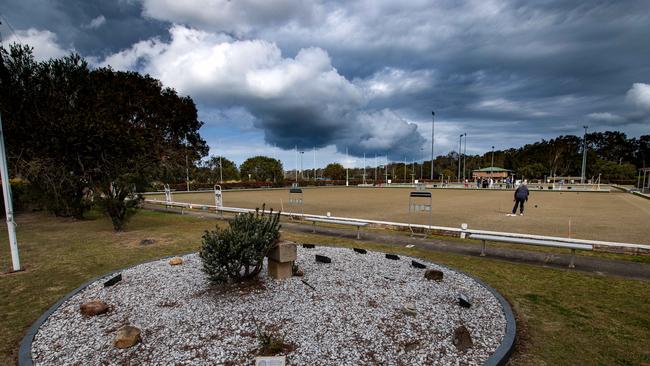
<point x="565" y="318"/>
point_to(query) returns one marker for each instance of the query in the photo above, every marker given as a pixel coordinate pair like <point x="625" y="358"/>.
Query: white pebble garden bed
<point x="353" y="316"/>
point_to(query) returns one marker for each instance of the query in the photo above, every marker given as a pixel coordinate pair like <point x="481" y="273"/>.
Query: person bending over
<point x="521" y="196"/>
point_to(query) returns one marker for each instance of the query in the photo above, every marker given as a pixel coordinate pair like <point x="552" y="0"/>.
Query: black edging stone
<point x="498" y="358"/>
<point x="25" y="347"/>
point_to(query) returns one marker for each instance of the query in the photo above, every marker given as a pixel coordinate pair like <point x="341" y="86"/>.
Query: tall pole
<point x="220" y="170"/>
<point x="492" y="167"/>
<point x="314" y="162"/>
<point x="302" y="171"/>
<point x="296" y="146"/>
<point x="9" y="210"/>
<point x="433" y="117"/>
<point x="187" y="173"/>
<point x="376" y="168"/>
<point x="364" y="168"/>
<point x="584" y="156"/>
<point x="465" y="157"/>
<point x="459" y="153"/>
<point x="405" y="168"/>
<point x="422" y="165"/>
<point x="347" y="174"/>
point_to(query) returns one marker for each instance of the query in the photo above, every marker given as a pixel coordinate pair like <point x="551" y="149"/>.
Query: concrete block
<point x="280" y="270"/>
<point x="285" y="251"/>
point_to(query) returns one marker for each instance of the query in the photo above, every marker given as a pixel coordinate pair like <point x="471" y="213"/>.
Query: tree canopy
<point x="73" y="132"/>
<point x="334" y="171"/>
<point x="262" y="168"/>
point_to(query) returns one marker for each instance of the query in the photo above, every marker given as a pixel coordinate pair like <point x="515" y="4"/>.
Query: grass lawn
<point x="564" y="318"/>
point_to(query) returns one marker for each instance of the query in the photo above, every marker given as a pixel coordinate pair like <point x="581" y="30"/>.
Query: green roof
<point x="492" y="169"/>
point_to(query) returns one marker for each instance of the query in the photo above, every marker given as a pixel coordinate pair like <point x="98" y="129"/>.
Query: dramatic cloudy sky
<point x="365" y="75"/>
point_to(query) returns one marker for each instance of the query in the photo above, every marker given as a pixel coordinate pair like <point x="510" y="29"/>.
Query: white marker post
<point x="9" y="210"/>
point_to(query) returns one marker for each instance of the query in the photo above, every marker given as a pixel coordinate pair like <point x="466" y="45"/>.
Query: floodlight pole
<point x="459" y="151"/>
<point x="347" y="174"/>
<point x="492" y="167"/>
<point x="464" y="156"/>
<point x="433" y="117"/>
<point x="220" y="170"/>
<point x="584" y="156"/>
<point x="9" y="210"/>
<point x="364" y="168"/>
<point x="314" y="163"/>
<point x="302" y="172"/>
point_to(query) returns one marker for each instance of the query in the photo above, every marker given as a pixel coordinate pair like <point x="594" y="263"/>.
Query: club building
<point x="491" y="172"/>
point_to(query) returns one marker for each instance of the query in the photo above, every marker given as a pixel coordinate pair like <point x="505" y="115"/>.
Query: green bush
<point x="237" y="252"/>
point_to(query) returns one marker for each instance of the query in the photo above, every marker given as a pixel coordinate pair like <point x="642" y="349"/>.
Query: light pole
<point x="464" y="156"/>
<point x="296" y="147"/>
<point x="584" y="156"/>
<point x="364" y="168"/>
<point x="220" y="170"/>
<point x="492" y="167"/>
<point x="433" y="117"/>
<point x="302" y="172"/>
<point x="314" y="163"/>
<point x="347" y="175"/>
<point x="459" y="151"/>
<point x="422" y="165"/>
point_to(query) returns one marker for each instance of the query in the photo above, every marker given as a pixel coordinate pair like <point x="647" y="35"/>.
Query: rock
<point x="147" y="241"/>
<point x="418" y="264"/>
<point x="93" y="307"/>
<point x="323" y="259"/>
<point x="127" y="336"/>
<point x="433" y="274"/>
<point x="462" y="339"/>
<point x="176" y="261"/>
<point x="298" y="272"/>
<point x="392" y="256"/>
<point x="113" y="280"/>
<point x="360" y="251"/>
<point x="464" y="301"/>
<point x="409" y="309"/>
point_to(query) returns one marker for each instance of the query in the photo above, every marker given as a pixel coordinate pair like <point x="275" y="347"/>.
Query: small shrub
<point x="237" y="252"/>
<point x="271" y="343"/>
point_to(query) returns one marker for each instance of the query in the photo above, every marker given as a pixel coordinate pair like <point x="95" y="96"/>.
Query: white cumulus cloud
<point x="44" y="42"/>
<point x="300" y="100"/>
<point x="639" y="96"/>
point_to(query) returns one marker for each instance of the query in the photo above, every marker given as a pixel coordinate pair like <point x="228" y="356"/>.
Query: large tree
<point x="334" y="171"/>
<point x="262" y="168"/>
<point x="76" y="133"/>
<point x="220" y="167"/>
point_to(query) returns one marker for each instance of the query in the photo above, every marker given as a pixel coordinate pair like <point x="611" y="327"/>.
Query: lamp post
<point x="459" y="151"/>
<point x="584" y="156"/>
<point x="422" y="165"/>
<point x="433" y="117"/>
<point x="220" y="170"/>
<point x="492" y="167"/>
<point x="302" y="172"/>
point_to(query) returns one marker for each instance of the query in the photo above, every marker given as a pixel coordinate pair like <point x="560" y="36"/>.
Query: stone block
<point x="280" y="270"/>
<point x="283" y="252"/>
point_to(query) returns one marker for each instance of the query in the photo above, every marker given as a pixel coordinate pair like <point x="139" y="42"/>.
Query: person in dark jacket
<point x="521" y="196"/>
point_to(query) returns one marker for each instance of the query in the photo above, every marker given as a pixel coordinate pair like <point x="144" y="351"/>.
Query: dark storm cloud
<point x="70" y="21"/>
<point x="507" y="72"/>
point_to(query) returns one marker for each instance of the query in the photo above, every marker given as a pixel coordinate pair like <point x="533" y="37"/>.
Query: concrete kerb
<point x="498" y="358"/>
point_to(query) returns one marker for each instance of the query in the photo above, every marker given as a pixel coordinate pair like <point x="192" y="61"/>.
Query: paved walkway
<point x="600" y="266"/>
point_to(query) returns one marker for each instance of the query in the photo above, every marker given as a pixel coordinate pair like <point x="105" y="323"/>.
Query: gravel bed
<point x="353" y="316"/>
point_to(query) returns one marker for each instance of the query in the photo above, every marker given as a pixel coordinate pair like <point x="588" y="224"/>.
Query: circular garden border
<point x="498" y="358"/>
